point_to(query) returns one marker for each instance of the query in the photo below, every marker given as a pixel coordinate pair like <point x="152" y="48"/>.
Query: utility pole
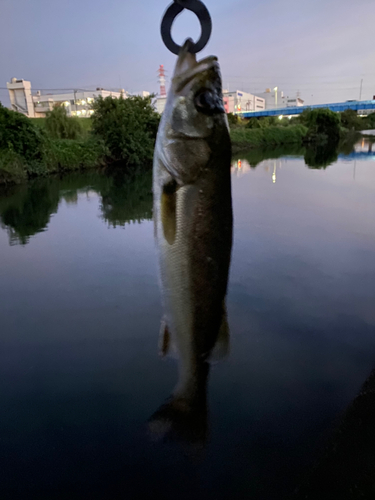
<point x="360" y="90"/>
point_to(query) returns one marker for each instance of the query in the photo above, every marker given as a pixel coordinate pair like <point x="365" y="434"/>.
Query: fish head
<point x="195" y="103"/>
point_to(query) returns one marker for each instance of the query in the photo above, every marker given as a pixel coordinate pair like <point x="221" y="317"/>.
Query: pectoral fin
<point x="221" y="347"/>
<point x="168" y="211"/>
<point x="164" y="338"/>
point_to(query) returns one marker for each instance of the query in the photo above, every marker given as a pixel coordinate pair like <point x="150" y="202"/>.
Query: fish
<point x="193" y="224"/>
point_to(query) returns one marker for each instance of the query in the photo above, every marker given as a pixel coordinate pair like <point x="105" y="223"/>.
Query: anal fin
<point x="221" y="347"/>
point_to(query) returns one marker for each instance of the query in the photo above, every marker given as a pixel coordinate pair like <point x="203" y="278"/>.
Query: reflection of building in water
<point x="271" y="166"/>
<point x="365" y="146"/>
<point x="240" y="167"/>
<point x="274" y="173"/>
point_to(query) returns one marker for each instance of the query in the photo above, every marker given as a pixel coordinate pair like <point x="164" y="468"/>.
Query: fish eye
<point x="206" y="102"/>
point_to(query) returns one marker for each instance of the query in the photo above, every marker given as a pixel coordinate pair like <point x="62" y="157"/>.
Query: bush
<point x="66" y="154"/>
<point x="232" y="119"/>
<point x="253" y="123"/>
<point x="368" y="122"/>
<point x="12" y="167"/>
<point x="323" y="125"/>
<point x="284" y="122"/>
<point x="128" y="127"/>
<point x="269" y="136"/>
<point x="350" y="120"/>
<point x="19" y="134"/>
<point x="60" y="126"/>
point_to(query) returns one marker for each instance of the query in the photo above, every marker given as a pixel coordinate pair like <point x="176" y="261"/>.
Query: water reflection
<point x="315" y="156"/>
<point x="79" y="372"/>
<point x="26" y="210"/>
<point x="240" y="167"/>
<point x="321" y="156"/>
<point x="347" y="463"/>
<point x="127" y="198"/>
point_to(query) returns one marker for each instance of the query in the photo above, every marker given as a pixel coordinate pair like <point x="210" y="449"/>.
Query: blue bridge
<point x="339" y="106"/>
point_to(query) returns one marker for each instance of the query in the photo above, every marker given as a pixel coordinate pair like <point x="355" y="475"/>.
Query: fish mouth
<point x="187" y="66"/>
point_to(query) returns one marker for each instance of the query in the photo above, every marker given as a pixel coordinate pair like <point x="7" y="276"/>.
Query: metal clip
<point x="200" y="10"/>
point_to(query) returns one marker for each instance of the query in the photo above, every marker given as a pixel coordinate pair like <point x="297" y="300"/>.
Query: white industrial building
<point x="237" y="101"/>
<point x="76" y="102"/>
<point x="234" y="102"/>
<point x="275" y="99"/>
<point x="160" y="104"/>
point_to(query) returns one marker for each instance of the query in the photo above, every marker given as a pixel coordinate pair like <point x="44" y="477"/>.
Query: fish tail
<point x="179" y="419"/>
<point x="183" y="416"/>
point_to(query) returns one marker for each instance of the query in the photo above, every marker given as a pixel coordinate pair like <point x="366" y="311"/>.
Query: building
<point x="237" y="101"/>
<point x="296" y="101"/>
<point x="76" y="102"/>
<point x="275" y="98"/>
<point x="160" y="104"/>
<point x="234" y="102"/>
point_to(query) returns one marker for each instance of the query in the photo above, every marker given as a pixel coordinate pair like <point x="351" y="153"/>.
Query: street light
<point x="275" y="89"/>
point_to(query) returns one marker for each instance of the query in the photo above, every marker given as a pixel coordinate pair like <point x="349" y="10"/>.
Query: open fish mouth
<point x="187" y="67"/>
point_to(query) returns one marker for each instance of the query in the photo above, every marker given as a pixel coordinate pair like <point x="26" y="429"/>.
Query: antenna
<point x="161" y="74"/>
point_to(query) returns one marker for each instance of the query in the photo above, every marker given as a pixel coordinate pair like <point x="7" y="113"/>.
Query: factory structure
<point x="234" y="102"/>
<point x="275" y="98"/>
<point x="237" y="101"/>
<point x="77" y="102"/>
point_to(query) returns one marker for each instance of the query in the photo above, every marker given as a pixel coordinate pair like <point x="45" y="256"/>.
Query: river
<point x="80" y="313"/>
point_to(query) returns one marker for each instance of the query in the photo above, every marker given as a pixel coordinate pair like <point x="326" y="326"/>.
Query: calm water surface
<point x="80" y="314"/>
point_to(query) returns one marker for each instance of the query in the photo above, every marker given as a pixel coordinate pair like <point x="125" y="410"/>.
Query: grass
<point x="85" y="123"/>
<point x="59" y="155"/>
<point x="243" y="138"/>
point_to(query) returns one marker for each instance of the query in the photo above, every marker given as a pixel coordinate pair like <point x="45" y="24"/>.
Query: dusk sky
<point x="321" y="48"/>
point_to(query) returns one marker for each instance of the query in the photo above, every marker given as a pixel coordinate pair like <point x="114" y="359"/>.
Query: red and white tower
<point x="161" y="74"/>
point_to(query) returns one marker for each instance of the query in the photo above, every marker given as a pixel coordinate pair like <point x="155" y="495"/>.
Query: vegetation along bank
<point x="313" y="128"/>
<point x="123" y="131"/>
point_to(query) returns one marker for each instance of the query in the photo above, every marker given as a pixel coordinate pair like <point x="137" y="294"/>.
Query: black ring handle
<point x="173" y="11"/>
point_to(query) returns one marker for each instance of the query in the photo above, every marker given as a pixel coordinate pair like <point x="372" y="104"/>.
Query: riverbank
<point x="247" y="138"/>
<point x="60" y="144"/>
<point x="57" y="156"/>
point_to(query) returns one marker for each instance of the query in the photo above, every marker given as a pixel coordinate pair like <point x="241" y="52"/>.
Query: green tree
<point x="350" y="120"/>
<point x="369" y="122"/>
<point x="323" y="125"/>
<point x="19" y="134"/>
<point x="60" y="126"/>
<point x="128" y="127"/>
